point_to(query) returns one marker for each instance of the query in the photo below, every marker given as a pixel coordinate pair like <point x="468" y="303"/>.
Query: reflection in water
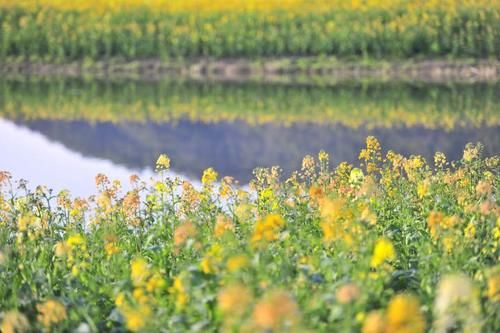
<point x="31" y="156"/>
<point x="235" y="127"/>
<point x="235" y="149"/>
<point x="351" y="104"/>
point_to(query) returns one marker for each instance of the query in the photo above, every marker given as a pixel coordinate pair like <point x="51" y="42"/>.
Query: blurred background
<point x="106" y="86"/>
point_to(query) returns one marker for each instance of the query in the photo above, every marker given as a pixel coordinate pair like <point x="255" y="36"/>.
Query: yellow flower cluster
<point x="51" y="312"/>
<point x="383" y="252"/>
<point x="403" y="315"/>
<point x="268" y="229"/>
<point x="14" y="322"/>
<point x="147" y="283"/>
<point x="276" y="311"/>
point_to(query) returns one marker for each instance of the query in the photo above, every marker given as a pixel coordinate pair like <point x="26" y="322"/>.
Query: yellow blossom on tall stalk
<point x="472" y="152"/>
<point x="470" y="231"/>
<point x="74" y="249"/>
<point x="440" y="225"/>
<point x="178" y="290"/>
<point x="162" y="163"/>
<point x="209" y="177"/>
<point x="131" y="203"/>
<point x="244" y="212"/>
<point x="413" y="165"/>
<point x="423" y="188"/>
<point x="51" y="312"/>
<point x="440" y="160"/>
<point x="184" y="232"/>
<point x="371" y="154"/>
<point x="222" y="225"/>
<point x="120" y="300"/>
<point x="383" y="252"/>
<point x="61" y="249"/>
<point x="139" y="271"/>
<point x="334" y="209"/>
<point x="211" y="259"/>
<point x="14" y="322"/>
<point x="315" y="193"/>
<point x="29" y="221"/>
<point x="404" y="315"/>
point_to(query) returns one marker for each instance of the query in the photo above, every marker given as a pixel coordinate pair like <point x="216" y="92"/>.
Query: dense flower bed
<point x="396" y="244"/>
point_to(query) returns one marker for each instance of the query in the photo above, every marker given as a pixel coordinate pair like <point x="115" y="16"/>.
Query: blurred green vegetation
<point x="40" y="31"/>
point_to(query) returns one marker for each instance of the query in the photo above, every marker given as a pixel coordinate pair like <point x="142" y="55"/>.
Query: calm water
<point x="62" y="132"/>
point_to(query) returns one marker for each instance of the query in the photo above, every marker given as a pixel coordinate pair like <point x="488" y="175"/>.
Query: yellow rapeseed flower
<point x="222" y="225"/>
<point x="237" y="262"/>
<point x="163" y="162"/>
<point x="120" y="300"/>
<point x="61" y="249"/>
<point x="139" y="271"/>
<point x="179" y="291"/>
<point x="207" y="265"/>
<point x="14" y="322"/>
<point x="75" y="241"/>
<point x="383" y="251"/>
<point x="184" y="232"/>
<point x="404" y="315"/>
<point x="51" y="312"/>
<point x="234" y="299"/>
<point x="275" y="311"/>
<point x="268" y="229"/>
<point x="137" y="318"/>
<point x="493" y="290"/>
<point x="470" y="231"/>
<point x="25" y="221"/>
<point x="155" y="283"/>
<point x="374" y="323"/>
<point x="111" y="248"/>
<point x="347" y="293"/>
<point x="209" y="176"/>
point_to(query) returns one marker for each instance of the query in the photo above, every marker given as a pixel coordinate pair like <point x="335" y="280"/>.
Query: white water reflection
<point x="31" y="156"/>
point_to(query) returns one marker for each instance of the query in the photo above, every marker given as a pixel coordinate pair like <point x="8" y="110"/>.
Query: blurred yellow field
<point x="68" y="30"/>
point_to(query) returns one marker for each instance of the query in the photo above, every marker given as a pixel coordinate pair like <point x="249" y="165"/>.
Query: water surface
<point x="62" y="132"/>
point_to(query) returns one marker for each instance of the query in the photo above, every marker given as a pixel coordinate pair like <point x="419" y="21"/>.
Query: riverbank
<point x="270" y="69"/>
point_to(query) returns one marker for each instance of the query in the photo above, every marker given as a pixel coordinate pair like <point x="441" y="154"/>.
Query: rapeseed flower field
<point x="58" y="31"/>
<point x="392" y="244"/>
